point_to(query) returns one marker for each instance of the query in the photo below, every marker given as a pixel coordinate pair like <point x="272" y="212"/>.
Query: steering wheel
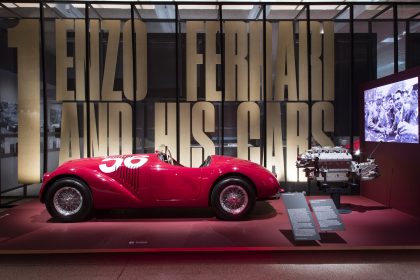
<point x="168" y="156"/>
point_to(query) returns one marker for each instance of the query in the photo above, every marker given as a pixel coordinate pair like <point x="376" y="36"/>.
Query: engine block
<point x="335" y="164"/>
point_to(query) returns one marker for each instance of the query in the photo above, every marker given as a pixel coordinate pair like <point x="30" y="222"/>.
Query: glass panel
<point x="408" y="11"/>
<point x="244" y="83"/>
<point x="201" y="84"/>
<point x="111" y="11"/>
<point x="365" y="67"/>
<point x="361" y="27"/>
<point x="287" y="94"/>
<point x="196" y="12"/>
<point x="25" y="10"/>
<point x="323" y="12"/>
<point x="20" y="82"/>
<point x="342" y="108"/>
<point x="385" y="47"/>
<point x="402" y="39"/>
<point x="241" y="12"/>
<point x="283" y="11"/>
<point x="388" y="14"/>
<point x="156" y="12"/>
<point x="199" y="77"/>
<point x="368" y="11"/>
<point x="156" y="113"/>
<point x="64" y="10"/>
<point x="65" y="39"/>
<point x="409" y="37"/>
<point x="415" y="25"/>
<point x="111" y="86"/>
<point x="8" y="10"/>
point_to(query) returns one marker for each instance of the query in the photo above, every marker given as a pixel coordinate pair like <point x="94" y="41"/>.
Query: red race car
<point x="229" y="185"/>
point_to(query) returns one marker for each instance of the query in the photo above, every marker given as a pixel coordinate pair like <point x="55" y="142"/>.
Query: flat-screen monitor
<point x="391" y="112"/>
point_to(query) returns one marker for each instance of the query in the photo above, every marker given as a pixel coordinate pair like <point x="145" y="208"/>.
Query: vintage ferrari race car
<point x="229" y="185"/>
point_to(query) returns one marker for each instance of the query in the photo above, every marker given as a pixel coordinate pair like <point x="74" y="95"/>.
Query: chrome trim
<point x="234" y="199"/>
<point x="68" y="201"/>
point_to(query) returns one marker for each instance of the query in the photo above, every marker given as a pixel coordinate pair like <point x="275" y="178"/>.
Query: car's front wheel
<point x="233" y="198"/>
<point x="69" y="200"/>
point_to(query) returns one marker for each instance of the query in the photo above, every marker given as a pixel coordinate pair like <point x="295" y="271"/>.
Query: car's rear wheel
<point x="69" y="200"/>
<point x="233" y="198"/>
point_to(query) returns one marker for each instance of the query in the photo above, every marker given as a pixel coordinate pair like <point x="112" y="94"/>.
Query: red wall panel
<point x="399" y="185"/>
<point x="399" y="164"/>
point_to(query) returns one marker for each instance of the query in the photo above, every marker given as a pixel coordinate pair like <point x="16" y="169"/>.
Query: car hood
<point x="232" y="160"/>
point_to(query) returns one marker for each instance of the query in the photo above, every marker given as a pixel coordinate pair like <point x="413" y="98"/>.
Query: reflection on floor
<point x="29" y="228"/>
<point x="251" y="265"/>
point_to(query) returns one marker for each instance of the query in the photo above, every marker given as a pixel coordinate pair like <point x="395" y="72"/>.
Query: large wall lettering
<point x="25" y="38"/>
<point x="110" y="123"/>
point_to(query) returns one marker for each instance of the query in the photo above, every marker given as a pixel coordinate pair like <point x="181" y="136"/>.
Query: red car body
<point x="145" y="180"/>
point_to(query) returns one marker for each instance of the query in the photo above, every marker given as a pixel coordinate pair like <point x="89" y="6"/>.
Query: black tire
<point x="240" y="191"/>
<point x="69" y="200"/>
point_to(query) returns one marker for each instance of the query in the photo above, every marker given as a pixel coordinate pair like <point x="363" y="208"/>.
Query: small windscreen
<point x="391" y="112"/>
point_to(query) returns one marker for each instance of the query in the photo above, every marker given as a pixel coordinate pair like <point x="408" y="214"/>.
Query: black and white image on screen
<point x="391" y="112"/>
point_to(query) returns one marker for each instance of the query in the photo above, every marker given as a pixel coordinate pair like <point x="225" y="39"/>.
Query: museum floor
<point x="293" y="265"/>
<point x="28" y="228"/>
<point x="378" y="243"/>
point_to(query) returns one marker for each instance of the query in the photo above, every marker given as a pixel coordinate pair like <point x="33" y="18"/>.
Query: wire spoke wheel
<point x="234" y="199"/>
<point x="68" y="201"/>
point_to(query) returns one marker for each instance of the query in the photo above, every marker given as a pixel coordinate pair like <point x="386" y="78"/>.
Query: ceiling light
<point x="27" y="5"/>
<point x="238" y="7"/>
<point x="10" y="5"/>
<point x="111" y="6"/>
<point x="197" y="7"/>
<point x="284" y="7"/>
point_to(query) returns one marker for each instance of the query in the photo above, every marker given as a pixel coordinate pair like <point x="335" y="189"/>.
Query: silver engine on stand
<point x="332" y="165"/>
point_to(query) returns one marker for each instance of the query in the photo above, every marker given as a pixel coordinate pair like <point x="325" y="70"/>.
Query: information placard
<point x="300" y="217"/>
<point x="327" y="215"/>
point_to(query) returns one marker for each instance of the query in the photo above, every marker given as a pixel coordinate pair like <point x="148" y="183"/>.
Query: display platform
<point x="28" y="228"/>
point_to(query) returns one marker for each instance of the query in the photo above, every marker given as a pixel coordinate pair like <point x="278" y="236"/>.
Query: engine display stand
<point x="335" y="193"/>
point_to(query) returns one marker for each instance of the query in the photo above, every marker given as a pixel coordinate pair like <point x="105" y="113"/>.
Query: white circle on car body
<point x="128" y="162"/>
